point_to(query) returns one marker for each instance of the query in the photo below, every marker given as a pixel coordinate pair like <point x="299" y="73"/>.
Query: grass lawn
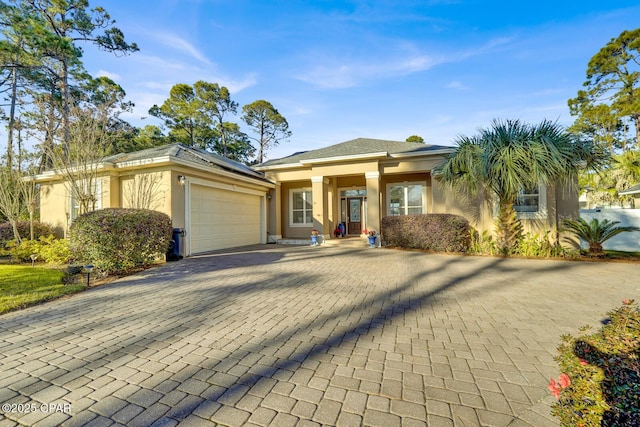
<point x="22" y="286"/>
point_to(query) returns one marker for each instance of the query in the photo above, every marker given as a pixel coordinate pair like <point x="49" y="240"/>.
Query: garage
<point x="223" y="218"/>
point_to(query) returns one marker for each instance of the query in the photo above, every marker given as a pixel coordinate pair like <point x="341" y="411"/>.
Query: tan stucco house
<point x="218" y="202"/>
<point x="359" y="182"/>
<point x="221" y="203"/>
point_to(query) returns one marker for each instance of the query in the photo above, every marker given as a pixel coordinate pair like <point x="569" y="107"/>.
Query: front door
<point x="354" y="215"/>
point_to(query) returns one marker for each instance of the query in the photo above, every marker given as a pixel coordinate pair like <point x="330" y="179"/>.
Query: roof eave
<point x="56" y="174"/>
<point x="334" y="159"/>
<point x="235" y="175"/>
<point x="421" y="153"/>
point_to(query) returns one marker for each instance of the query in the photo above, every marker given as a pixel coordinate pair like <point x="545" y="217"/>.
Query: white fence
<point x="629" y="242"/>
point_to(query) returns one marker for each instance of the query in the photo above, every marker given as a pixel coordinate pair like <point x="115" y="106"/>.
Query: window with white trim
<point x="406" y="199"/>
<point x="95" y="194"/>
<point x="531" y="202"/>
<point x="528" y="200"/>
<point x="300" y="207"/>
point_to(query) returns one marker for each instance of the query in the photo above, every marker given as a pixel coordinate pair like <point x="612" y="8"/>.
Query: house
<point x="219" y="203"/>
<point x="222" y="204"/>
<point x="632" y="191"/>
<point x="358" y="182"/>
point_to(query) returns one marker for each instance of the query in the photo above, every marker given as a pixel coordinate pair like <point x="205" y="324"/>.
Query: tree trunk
<point x="636" y="121"/>
<point x="12" y="115"/>
<point x="261" y="149"/>
<point x="508" y="227"/>
<point x="64" y="78"/>
<point x="595" y="248"/>
<point x="16" y="233"/>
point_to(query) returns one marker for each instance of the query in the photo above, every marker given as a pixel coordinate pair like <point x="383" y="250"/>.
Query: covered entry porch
<point x="351" y="203"/>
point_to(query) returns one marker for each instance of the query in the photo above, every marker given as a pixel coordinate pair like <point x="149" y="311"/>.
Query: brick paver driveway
<point x="302" y="336"/>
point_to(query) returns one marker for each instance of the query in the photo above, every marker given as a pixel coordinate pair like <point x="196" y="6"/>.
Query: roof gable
<point x="184" y="152"/>
<point x="357" y="147"/>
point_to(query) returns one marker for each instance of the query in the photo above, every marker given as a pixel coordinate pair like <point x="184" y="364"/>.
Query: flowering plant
<point x="555" y="387"/>
<point x="600" y="380"/>
<point x="314" y="232"/>
<point x="371" y="233"/>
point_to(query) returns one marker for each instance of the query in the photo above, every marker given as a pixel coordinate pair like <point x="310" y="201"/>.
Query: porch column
<point x="320" y="205"/>
<point x="275" y="213"/>
<point x="374" y="200"/>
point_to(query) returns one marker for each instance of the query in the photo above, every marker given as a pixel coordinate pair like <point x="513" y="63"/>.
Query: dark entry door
<point x="354" y="220"/>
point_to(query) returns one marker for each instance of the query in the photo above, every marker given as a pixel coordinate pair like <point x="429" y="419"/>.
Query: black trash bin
<point x="174" y="252"/>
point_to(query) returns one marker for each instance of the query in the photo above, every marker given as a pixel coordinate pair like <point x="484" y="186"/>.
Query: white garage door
<point x="223" y="219"/>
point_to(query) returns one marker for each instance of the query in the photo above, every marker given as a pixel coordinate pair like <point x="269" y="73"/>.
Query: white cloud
<point x="155" y="63"/>
<point x="162" y="75"/>
<point x="144" y="101"/>
<point x="455" y="84"/>
<point x="161" y="86"/>
<point x="113" y="76"/>
<point x="348" y="75"/>
<point x="332" y="74"/>
<point x="234" y="85"/>
<point x="182" y="45"/>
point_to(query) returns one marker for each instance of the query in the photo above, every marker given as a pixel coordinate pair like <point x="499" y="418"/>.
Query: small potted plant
<point x="314" y="237"/>
<point x="371" y="235"/>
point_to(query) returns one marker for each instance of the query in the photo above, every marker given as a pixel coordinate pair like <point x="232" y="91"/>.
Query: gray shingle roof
<point x="185" y="152"/>
<point x="354" y="147"/>
<point x="631" y="190"/>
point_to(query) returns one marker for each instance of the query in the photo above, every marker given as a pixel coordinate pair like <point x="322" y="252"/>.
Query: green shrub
<point x="538" y="245"/>
<point x="40" y="229"/>
<point x="435" y="232"/>
<point x="53" y="250"/>
<point x="117" y="239"/>
<point x="482" y="244"/>
<point x="529" y="245"/>
<point x="600" y="384"/>
<point x="22" y="252"/>
<point x="595" y="233"/>
<point x="49" y="249"/>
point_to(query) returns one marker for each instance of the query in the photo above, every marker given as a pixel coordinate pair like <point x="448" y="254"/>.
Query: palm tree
<point x="596" y="233"/>
<point x="511" y="156"/>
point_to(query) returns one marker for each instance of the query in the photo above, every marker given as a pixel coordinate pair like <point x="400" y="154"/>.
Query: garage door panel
<point x="223" y="219"/>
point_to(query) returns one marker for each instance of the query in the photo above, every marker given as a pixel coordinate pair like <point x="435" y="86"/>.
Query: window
<point x="531" y="203"/>
<point x="94" y="196"/>
<point x="528" y="200"/>
<point x="406" y="199"/>
<point x="300" y="203"/>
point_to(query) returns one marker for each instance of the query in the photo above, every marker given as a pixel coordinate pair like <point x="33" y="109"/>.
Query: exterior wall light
<point x="182" y="180"/>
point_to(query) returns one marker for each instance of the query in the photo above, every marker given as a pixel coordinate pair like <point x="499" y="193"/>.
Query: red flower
<point x="554" y="388"/>
<point x="564" y="380"/>
<point x="583" y="362"/>
<point x="627" y="301"/>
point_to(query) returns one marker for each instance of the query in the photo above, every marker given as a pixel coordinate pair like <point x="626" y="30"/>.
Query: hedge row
<point x="40" y="229"/>
<point x="434" y="232"/>
<point x="117" y="239"/>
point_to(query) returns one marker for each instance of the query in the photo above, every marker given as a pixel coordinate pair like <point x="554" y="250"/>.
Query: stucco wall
<point x="287" y="230"/>
<point x="54" y="204"/>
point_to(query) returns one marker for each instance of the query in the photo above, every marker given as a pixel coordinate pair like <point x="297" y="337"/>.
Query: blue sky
<point x="339" y="70"/>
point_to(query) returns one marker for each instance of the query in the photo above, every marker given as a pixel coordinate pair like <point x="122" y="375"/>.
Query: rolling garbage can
<point x="174" y="252"/>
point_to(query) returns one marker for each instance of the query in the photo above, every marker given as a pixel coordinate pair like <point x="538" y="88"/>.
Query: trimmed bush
<point x="118" y="239"/>
<point x="40" y="229"/>
<point x="600" y="383"/>
<point x="48" y="249"/>
<point x="434" y="232"/>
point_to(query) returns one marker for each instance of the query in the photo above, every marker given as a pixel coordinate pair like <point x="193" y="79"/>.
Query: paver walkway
<point x="304" y="336"/>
